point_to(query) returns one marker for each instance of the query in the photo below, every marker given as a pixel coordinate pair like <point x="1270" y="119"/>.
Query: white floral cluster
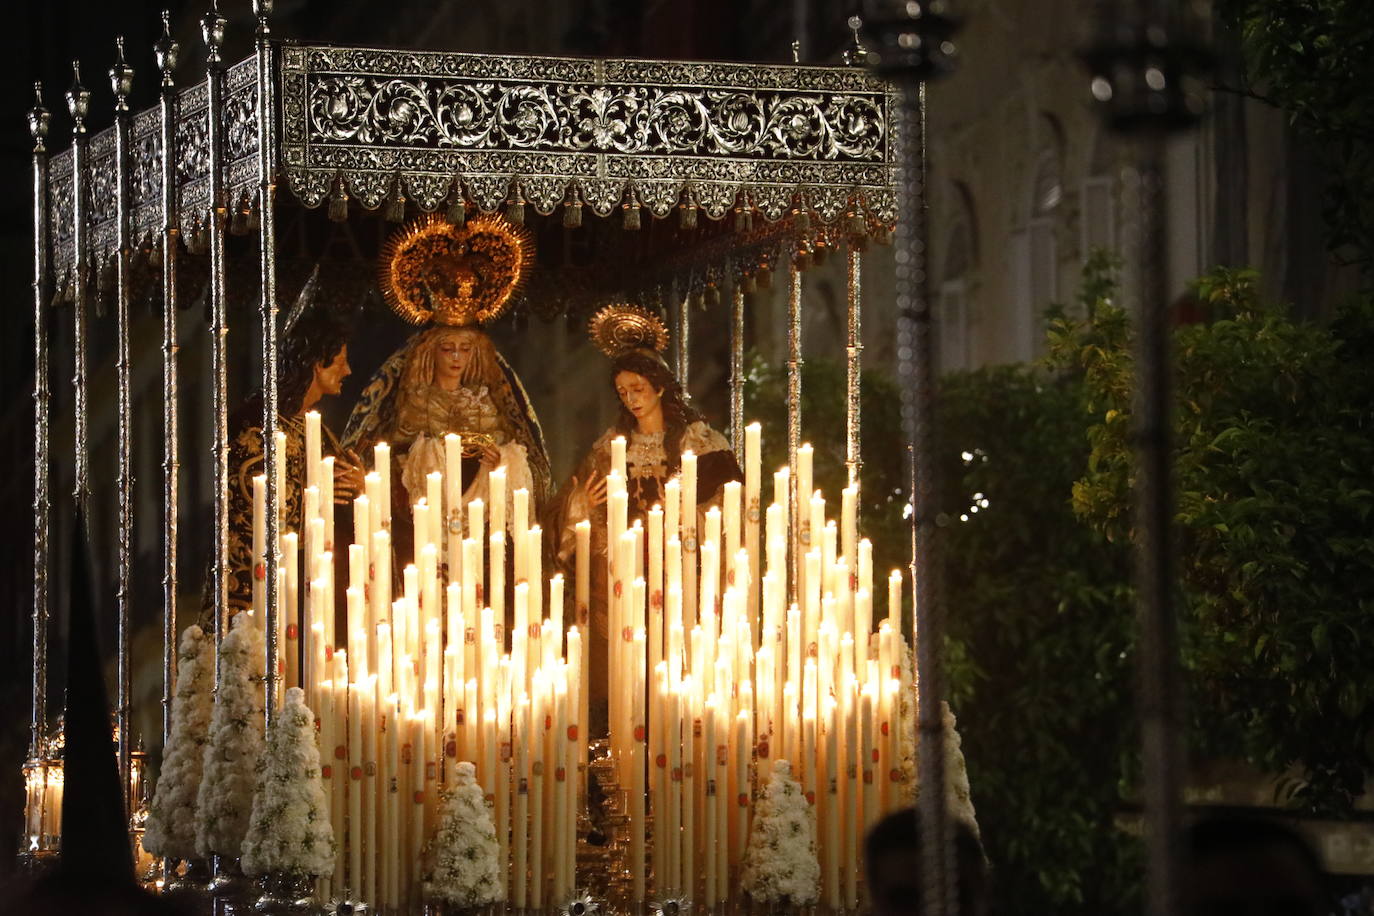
<point x="171" y="827"/>
<point x="780" y="863"/>
<point x="289" y="830"/>
<point x="225" y="800"/>
<point x="958" y="795"/>
<point x="464" y="850"/>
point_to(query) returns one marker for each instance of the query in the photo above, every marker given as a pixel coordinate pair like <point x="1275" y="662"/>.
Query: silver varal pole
<point x="212" y="29"/>
<point x="78" y="106"/>
<point x="737" y="369"/>
<point x="39" y="120"/>
<point x="267" y="305"/>
<point x="854" y="358"/>
<point x="800" y="538"/>
<point x="167" y="51"/>
<point x="684" y="333"/>
<point x="121" y="81"/>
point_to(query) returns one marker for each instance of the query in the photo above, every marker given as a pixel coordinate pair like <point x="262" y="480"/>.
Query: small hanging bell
<point x="395" y="210"/>
<point x="338" y="202"/>
<point x="457" y="212"/>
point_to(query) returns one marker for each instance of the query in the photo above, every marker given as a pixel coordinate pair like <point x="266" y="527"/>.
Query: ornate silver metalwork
<point x="78" y="106"/>
<point x="794" y="387"/>
<point x="121" y="81"/>
<point x="239" y="118"/>
<point x="212" y="30"/>
<point x="267" y="189"/>
<point x="601" y="131"/>
<point x="737" y="368"/>
<point x="39" y="121"/>
<point x="167" y="52"/>
<point x="854" y="347"/>
<point x="682" y="300"/>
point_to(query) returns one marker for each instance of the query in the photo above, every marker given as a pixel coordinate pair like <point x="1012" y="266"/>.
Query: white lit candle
<point x="312" y="448"/>
<point x="618" y="456"/>
<point x="381" y="456"/>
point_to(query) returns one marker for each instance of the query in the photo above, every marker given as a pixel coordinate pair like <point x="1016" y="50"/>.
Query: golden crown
<point x="432" y="270"/>
<point x="621" y="327"/>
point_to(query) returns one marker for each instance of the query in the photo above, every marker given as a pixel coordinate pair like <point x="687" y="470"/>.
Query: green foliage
<point x="1041" y="638"/>
<point x="1273" y="448"/>
<point x="1315" y="60"/>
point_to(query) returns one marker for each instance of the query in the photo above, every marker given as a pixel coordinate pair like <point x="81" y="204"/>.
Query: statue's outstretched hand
<point x="491" y="457"/>
<point x="348" y="477"/>
<point x="595" y="490"/>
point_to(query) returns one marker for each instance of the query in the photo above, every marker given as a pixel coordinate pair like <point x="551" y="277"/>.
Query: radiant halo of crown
<point x="620" y="327"/>
<point x="433" y="271"/>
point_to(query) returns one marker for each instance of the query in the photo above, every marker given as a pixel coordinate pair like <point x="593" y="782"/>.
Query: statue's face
<point x="330" y="377"/>
<point x="638" y="394"/>
<point x="452" y="356"/>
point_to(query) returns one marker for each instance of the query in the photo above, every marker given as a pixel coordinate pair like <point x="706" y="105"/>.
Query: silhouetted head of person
<point x="1249" y="866"/>
<point x="892" y="865"/>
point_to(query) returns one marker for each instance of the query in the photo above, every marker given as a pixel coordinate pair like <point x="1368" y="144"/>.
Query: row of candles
<point x="707" y="692"/>
<point x="714" y="674"/>
<point x="427" y="679"/>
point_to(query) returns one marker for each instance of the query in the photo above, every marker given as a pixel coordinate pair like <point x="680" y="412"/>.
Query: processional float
<point x="730" y="173"/>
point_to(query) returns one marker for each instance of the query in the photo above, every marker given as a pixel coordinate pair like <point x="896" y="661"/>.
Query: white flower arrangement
<point x="225" y="800"/>
<point x="464" y="851"/>
<point x="958" y="794"/>
<point x="171" y="826"/>
<point x="780" y="863"/>
<point x="289" y="830"/>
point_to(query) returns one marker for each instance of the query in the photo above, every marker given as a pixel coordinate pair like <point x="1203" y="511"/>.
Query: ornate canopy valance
<point x="546" y="131"/>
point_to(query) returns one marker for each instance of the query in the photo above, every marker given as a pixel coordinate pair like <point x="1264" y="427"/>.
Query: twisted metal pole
<point x="267" y="305"/>
<point x="39" y="120"/>
<point x="78" y="106"/>
<point x="212" y="30"/>
<point x="737" y="368"/>
<point x="167" y="51"/>
<point x="121" y="81"/>
<point x="854" y="347"/>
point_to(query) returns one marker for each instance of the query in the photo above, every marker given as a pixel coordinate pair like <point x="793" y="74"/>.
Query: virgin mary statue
<point x="450" y="378"/>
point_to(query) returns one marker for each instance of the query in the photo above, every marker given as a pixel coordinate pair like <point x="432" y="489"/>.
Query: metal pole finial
<point x="212" y="31"/>
<point x="856" y="55"/>
<point x="166" y="49"/>
<point x="78" y="100"/>
<point x="262" y="10"/>
<point x="121" y="77"/>
<point x="796" y="50"/>
<point x="39" y="118"/>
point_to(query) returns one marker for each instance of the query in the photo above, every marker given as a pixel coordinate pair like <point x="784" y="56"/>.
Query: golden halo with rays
<point x="619" y="327"/>
<point x="432" y="270"/>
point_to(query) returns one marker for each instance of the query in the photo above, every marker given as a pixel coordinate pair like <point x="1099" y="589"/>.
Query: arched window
<point x="1036" y="247"/>
<point x="1098" y="222"/>
<point x="956" y="268"/>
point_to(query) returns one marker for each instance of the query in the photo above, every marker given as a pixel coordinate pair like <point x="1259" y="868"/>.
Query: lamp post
<point x="910" y="43"/>
<point x="1147" y="63"/>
